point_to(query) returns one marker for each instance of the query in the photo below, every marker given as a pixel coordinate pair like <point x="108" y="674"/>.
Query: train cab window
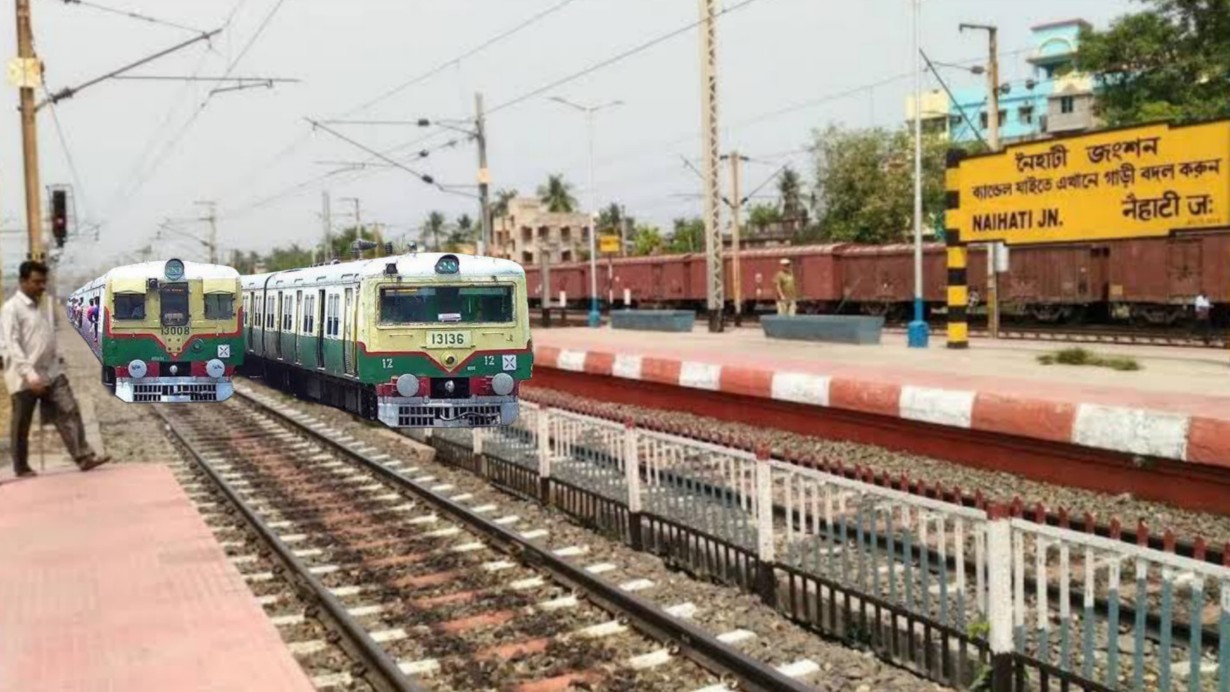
<point x="433" y="304"/>
<point x="219" y="306"/>
<point x="130" y="306"/>
<point x="174" y="304"/>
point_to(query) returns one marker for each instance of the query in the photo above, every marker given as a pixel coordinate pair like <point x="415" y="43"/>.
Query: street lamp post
<point x="918" y="332"/>
<point x="595" y="316"/>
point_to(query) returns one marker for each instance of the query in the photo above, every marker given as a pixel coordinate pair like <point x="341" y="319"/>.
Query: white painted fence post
<point x="544" y="455"/>
<point x="999" y="597"/>
<point x="766" y="576"/>
<point x="632" y="477"/>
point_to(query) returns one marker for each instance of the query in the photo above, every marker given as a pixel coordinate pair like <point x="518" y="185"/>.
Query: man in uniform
<point x="34" y="373"/>
<point x="786" y="292"/>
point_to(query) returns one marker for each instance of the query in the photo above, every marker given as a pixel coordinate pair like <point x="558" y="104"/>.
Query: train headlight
<point x="450" y="387"/>
<point x="137" y="369"/>
<point x="408" y="385"/>
<point x="174" y="369"/>
<point x="215" y="368"/>
<point x="502" y="384"/>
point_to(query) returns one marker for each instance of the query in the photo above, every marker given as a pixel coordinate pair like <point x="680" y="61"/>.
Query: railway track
<point x="398" y="581"/>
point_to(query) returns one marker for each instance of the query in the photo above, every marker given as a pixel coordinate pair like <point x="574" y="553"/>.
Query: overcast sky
<point x="146" y="151"/>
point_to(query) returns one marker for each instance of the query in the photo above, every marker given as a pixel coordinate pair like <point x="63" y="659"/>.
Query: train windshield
<point x="174" y="304"/>
<point x="454" y="304"/>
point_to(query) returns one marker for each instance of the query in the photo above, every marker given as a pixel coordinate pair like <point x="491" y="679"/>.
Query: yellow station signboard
<point x="1128" y="183"/>
<point x="608" y="244"/>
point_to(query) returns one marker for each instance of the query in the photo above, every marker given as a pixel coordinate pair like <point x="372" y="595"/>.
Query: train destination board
<point x="1128" y="183"/>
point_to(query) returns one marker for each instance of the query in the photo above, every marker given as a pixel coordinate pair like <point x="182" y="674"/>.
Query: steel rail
<point x="354" y="637"/>
<point x="690" y="640"/>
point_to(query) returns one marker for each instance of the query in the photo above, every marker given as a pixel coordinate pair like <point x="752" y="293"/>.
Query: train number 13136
<point x="448" y="339"/>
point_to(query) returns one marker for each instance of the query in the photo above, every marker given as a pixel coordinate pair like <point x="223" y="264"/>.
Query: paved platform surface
<point x="1177" y="407"/>
<point x="110" y="580"/>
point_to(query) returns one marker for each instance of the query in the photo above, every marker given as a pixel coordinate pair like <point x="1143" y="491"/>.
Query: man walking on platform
<point x="34" y="373"/>
<point x="1204" y="323"/>
<point x="786" y="292"/>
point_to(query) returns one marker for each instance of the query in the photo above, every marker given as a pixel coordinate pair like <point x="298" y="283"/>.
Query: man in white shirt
<point x="1204" y="322"/>
<point x="34" y="373"/>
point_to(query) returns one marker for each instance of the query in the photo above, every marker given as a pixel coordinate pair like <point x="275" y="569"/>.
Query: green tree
<point x="463" y="233"/>
<point x="1167" y="62"/>
<point x="761" y="216"/>
<point x="556" y="194"/>
<point x="342" y="243"/>
<point x="647" y="240"/>
<point x="865" y="183"/>
<point x="433" y="226"/>
<point x="688" y="235"/>
<point x="611" y="217"/>
<point x="502" y="199"/>
<point x="293" y="257"/>
<point x="790" y="190"/>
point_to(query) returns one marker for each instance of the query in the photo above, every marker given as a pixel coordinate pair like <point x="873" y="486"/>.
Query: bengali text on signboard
<point x="1139" y="182"/>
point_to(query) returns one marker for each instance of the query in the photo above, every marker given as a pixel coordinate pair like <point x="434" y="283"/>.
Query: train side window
<point x="269" y="312"/>
<point x="219" y="306"/>
<point x="130" y="306"/>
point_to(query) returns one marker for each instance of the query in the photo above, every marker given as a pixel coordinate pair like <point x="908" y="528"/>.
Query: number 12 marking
<point x="388" y="363"/>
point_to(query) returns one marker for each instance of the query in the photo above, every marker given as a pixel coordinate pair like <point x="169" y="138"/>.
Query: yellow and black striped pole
<point x="958" y="256"/>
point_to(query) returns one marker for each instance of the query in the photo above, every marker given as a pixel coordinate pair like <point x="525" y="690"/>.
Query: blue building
<point x="1054" y="99"/>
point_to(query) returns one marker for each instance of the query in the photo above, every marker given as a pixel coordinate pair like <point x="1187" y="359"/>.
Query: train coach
<point x="416" y="341"/>
<point x="163" y="332"/>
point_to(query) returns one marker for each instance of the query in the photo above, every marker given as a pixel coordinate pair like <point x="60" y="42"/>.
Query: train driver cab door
<point x="295" y="320"/>
<point x="249" y="302"/>
<point x="348" y="331"/>
<point x="281" y="322"/>
<point x="319" y="329"/>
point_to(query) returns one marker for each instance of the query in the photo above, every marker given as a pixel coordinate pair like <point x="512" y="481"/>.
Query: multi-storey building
<point x="529" y="231"/>
<point x="1054" y="99"/>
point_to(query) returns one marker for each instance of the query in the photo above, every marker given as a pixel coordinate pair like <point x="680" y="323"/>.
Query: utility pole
<point x="326" y="217"/>
<point x="212" y="218"/>
<point x="736" y="209"/>
<point x="484" y="175"/>
<point x="358" y="219"/>
<point x="993" y="249"/>
<point x="918" y="332"/>
<point x="32" y="75"/>
<point x="709" y="159"/>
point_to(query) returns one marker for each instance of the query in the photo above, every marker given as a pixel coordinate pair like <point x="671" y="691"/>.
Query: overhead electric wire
<point x="132" y="15"/>
<point x="68" y="156"/>
<point x="534" y="19"/>
<point x="457" y="60"/>
<point x="619" y="57"/>
<point x="173" y="143"/>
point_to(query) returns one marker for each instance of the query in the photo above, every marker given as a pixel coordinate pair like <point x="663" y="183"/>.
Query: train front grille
<point x="460" y="415"/>
<point x="156" y="392"/>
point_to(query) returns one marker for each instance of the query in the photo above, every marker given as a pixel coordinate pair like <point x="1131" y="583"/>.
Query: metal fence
<point x="967" y="597"/>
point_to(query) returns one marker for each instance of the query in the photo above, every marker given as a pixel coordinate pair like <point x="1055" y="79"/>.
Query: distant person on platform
<point x="1204" y="322"/>
<point x="34" y="373"/>
<point x="787" y="294"/>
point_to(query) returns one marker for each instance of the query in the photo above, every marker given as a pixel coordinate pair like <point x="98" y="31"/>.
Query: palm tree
<point x="557" y="195"/>
<point x="434" y="225"/>
<point x="502" y="199"/>
<point x="789" y="187"/>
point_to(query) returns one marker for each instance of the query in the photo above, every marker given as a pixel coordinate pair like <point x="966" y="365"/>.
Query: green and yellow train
<point x="164" y="332"/>
<point x="416" y="341"/>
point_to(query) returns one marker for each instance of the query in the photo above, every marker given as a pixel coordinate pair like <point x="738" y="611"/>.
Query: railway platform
<point x="111" y="580"/>
<point x="1175" y="409"/>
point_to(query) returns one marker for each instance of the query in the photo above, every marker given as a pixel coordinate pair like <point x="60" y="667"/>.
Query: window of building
<point x="1003" y="117"/>
<point x="982" y="120"/>
<point x="1067" y="104"/>
<point x="954" y="121"/>
<point x="1026" y="114"/>
<point x="130" y="306"/>
<point x="174" y="298"/>
<point x="527" y="258"/>
<point x="219" y="306"/>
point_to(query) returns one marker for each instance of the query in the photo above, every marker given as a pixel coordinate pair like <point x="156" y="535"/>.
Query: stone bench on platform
<point x="653" y="320"/>
<point x="845" y="329"/>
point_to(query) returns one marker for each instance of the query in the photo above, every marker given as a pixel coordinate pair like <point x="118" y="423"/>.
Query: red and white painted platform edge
<point x="1135" y="430"/>
<point x="111" y="580"/>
